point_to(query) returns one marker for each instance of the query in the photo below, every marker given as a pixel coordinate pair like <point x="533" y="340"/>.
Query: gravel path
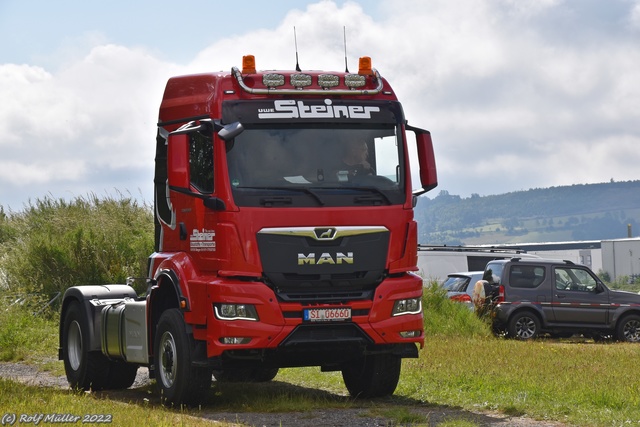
<point x="351" y="417"/>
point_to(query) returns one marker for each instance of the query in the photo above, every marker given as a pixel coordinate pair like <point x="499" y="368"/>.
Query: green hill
<point x="576" y="212"/>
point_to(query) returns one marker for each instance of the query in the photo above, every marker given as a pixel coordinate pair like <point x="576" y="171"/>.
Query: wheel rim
<point x="168" y="359"/>
<point x="74" y="345"/>
<point x="526" y="327"/>
<point x="631" y="331"/>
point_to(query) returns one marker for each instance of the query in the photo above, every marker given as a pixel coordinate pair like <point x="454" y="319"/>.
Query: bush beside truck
<point x="53" y="244"/>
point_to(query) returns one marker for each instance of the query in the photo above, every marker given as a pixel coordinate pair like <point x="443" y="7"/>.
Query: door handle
<point x="560" y="296"/>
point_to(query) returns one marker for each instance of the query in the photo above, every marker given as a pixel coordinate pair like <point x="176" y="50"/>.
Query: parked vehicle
<point x="535" y="296"/>
<point x="459" y="286"/>
<point x="435" y="262"/>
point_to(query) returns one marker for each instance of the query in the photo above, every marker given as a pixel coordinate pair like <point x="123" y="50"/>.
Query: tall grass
<point x="444" y="317"/>
<point x="26" y="334"/>
<point x="53" y="244"/>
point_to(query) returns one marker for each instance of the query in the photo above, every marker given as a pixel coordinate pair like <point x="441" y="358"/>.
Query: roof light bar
<point x="299" y="81"/>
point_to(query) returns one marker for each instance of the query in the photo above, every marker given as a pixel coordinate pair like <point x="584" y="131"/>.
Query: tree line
<point x="576" y="212"/>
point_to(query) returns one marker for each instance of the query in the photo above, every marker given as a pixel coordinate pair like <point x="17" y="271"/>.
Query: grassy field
<point x="574" y="381"/>
<point x="55" y="244"/>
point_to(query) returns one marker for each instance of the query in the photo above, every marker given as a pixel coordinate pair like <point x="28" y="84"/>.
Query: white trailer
<point x="436" y="262"/>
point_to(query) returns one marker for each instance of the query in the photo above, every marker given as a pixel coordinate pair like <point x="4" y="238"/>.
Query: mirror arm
<point x="210" y="202"/>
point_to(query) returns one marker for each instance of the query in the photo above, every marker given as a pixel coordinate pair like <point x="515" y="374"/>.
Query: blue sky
<point x="518" y="94"/>
<point x="42" y="30"/>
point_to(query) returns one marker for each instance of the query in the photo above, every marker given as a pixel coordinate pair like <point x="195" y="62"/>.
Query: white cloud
<point x="97" y="114"/>
<point x="634" y="16"/>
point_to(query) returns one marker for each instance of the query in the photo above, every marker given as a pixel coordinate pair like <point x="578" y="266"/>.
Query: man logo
<point x="325" y="233"/>
<point x="325" y="258"/>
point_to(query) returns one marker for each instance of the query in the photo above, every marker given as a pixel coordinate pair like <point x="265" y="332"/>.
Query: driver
<point x="355" y="161"/>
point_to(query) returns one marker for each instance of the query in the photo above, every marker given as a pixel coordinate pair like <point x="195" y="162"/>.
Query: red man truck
<point x="284" y="237"/>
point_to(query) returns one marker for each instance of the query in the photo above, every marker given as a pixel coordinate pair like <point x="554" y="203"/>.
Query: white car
<point x="459" y="286"/>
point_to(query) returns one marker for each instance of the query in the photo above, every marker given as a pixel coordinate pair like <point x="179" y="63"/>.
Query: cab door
<point x="190" y="165"/>
<point x="577" y="298"/>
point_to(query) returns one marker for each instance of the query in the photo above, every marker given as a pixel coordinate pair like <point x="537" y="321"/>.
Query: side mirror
<point x="230" y="131"/>
<point x="178" y="160"/>
<point x="426" y="160"/>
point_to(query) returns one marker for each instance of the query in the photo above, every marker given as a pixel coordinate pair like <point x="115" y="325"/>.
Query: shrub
<point x="448" y="318"/>
<point x="54" y="244"/>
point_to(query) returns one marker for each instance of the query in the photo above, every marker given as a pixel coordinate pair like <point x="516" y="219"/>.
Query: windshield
<point x="315" y="165"/>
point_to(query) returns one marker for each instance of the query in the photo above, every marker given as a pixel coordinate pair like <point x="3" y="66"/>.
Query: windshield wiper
<point x="371" y="199"/>
<point x="281" y="200"/>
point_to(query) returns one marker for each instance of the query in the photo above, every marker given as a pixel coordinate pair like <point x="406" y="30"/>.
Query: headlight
<point x="235" y="312"/>
<point x="407" y="306"/>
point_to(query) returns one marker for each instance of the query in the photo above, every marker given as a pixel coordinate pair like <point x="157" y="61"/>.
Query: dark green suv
<point x="534" y="296"/>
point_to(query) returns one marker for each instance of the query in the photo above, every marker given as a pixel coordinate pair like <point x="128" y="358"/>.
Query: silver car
<point x="459" y="286"/>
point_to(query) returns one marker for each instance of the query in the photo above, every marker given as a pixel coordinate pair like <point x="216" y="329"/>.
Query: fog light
<point x="328" y="80"/>
<point x="273" y="80"/>
<point x="354" y="80"/>
<point x="300" y="80"/>
<point x="235" y="340"/>
<point x="407" y="306"/>
<point x="235" y="312"/>
<point x="410" y="334"/>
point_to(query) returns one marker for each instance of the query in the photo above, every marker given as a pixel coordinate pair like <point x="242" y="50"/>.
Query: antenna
<point x="344" y="32"/>
<point x="295" y="40"/>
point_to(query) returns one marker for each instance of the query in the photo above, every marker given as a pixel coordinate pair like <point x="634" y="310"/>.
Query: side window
<point x="385" y="158"/>
<point x="201" y="162"/>
<point x="574" y="279"/>
<point x="526" y="276"/>
<point x="493" y="273"/>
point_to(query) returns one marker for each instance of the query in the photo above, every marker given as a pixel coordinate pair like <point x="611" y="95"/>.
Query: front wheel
<point x="372" y="376"/>
<point x="629" y="328"/>
<point x="179" y="382"/>
<point x="524" y="326"/>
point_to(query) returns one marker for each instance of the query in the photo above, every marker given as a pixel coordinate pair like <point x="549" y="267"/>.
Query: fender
<point x="171" y="290"/>
<point x="178" y="269"/>
<point x="620" y="312"/>
<point x="93" y="299"/>
<point x="534" y="307"/>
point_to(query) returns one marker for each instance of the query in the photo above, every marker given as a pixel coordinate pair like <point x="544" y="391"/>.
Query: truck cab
<point x="285" y="234"/>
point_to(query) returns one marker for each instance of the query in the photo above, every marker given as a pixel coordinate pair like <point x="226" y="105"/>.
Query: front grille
<point x="314" y="295"/>
<point x="331" y="333"/>
<point x="300" y="268"/>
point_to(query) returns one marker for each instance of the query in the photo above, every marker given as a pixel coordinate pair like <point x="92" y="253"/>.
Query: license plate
<point x="327" y="314"/>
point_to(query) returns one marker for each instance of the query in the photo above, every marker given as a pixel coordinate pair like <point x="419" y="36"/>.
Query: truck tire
<point x="251" y="375"/>
<point x="524" y="326"/>
<point x="372" y="376"/>
<point x="85" y="369"/>
<point x="628" y="328"/>
<point x="178" y="380"/>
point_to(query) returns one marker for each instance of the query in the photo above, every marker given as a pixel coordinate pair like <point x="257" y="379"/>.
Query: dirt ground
<point x="351" y="417"/>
